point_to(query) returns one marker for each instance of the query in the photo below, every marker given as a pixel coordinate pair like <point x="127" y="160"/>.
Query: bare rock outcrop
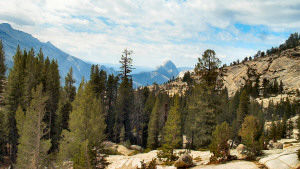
<point x="283" y="67"/>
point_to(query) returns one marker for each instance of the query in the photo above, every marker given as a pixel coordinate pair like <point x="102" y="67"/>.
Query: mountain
<point x="142" y="76"/>
<point x="11" y="38"/>
<point x="160" y="75"/>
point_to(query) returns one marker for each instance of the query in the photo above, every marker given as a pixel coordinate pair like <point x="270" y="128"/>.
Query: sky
<point x="155" y="30"/>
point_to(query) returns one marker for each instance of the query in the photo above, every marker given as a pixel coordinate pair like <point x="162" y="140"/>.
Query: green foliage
<point x="14" y="98"/>
<point x="250" y="132"/>
<point x="126" y="62"/>
<point x="98" y="79"/>
<point x="243" y="109"/>
<point x="201" y="118"/>
<point x="167" y="156"/>
<point x="219" y="146"/>
<point x="111" y="94"/>
<point x="146" y="117"/>
<point x="32" y="148"/>
<point x="290" y="128"/>
<point x="187" y="78"/>
<point x="207" y="67"/>
<point x="86" y="128"/>
<point x="64" y="107"/>
<point x="172" y="130"/>
<point x="273" y="135"/>
<point x="124" y="108"/>
<point x="2" y="102"/>
<point x="153" y="127"/>
<point x="2" y="73"/>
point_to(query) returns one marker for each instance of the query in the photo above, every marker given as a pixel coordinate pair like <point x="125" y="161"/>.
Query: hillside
<point x="284" y="67"/>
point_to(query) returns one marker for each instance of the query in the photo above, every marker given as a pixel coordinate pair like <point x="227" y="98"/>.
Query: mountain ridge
<point x="12" y="37"/>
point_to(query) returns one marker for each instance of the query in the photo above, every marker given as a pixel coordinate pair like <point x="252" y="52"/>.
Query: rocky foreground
<point x="285" y="158"/>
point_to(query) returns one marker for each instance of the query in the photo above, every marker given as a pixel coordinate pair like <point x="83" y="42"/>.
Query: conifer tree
<point x="125" y="99"/>
<point x="14" y="98"/>
<point x="153" y="127"/>
<point x="65" y="107"/>
<point x="172" y="129"/>
<point x="283" y="126"/>
<point x="219" y="146"/>
<point x="201" y="118"/>
<point x="288" y="108"/>
<point x="86" y="128"/>
<point x="290" y="128"/>
<point x="2" y="73"/>
<point x="146" y="117"/>
<point x="111" y="94"/>
<point x="32" y="149"/>
<point x="126" y="62"/>
<point x="273" y="131"/>
<point x="250" y="132"/>
<point x="243" y="109"/>
<point x="207" y="67"/>
<point x="2" y="101"/>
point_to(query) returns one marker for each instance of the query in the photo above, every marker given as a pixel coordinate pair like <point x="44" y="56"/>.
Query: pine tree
<point x="283" y="126"/>
<point x="219" y="146"/>
<point x="126" y="62"/>
<point x="2" y="73"/>
<point x="125" y="99"/>
<point x="111" y="94"/>
<point x="153" y="127"/>
<point x="290" y="128"/>
<point x="207" y="67"/>
<point x="172" y="130"/>
<point x="250" y="132"/>
<point x="65" y="107"/>
<point x="32" y="149"/>
<point x="273" y="131"/>
<point x="243" y="109"/>
<point x="288" y="108"/>
<point x="14" y="98"/>
<point x="86" y="128"/>
<point x="53" y="93"/>
<point x="201" y="118"/>
<point x="2" y="101"/>
<point x="146" y="117"/>
<point x="275" y="87"/>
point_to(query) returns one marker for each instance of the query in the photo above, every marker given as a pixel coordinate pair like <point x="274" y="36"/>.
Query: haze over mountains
<point x="142" y="76"/>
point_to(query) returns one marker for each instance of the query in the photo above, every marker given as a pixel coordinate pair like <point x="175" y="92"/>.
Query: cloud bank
<point x="180" y="30"/>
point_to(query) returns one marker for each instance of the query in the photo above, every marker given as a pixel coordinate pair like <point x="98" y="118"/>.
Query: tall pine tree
<point x="32" y="149"/>
<point x="172" y="130"/>
<point x="86" y="126"/>
<point x="2" y="101"/>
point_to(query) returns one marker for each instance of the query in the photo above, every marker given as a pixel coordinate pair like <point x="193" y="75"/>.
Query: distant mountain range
<point x="142" y="76"/>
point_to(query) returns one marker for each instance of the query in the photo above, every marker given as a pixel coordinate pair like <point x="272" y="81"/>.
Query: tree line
<point x="44" y="122"/>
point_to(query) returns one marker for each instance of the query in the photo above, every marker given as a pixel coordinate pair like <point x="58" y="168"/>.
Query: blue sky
<point x="156" y="30"/>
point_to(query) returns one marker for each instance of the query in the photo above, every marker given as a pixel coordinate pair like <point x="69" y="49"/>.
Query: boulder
<point x="124" y="150"/>
<point x="137" y="148"/>
<point x="241" y="148"/>
<point x="184" y="161"/>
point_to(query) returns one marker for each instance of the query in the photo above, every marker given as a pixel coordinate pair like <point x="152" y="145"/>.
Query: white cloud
<point x="157" y="29"/>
